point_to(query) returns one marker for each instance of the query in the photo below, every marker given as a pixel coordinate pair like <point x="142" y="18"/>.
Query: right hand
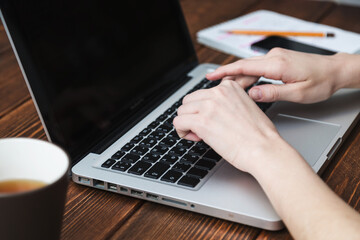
<point x="307" y="78"/>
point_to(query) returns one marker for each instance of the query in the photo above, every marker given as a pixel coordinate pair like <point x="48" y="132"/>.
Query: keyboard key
<point x="151" y="157"/>
<point x="136" y="139"/>
<point x="168" y="142"/>
<point x="205" y="80"/>
<point x="118" y="155"/>
<point x="170" y="111"/>
<point x="173" y="135"/>
<point x="200" y="85"/>
<point x="158" y="135"/>
<point x="145" y="132"/>
<point x="213" y="84"/>
<point x="164" y="128"/>
<point x="177" y="151"/>
<point x="108" y="163"/>
<point x="169" y="159"/>
<point x="188" y="181"/>
<point x="149" y="142"/>
<point x="154" y="124"/>
<point x="212" y="155"/>
<point x="162" y="118"/>
<point x="185" y="143"/>
<point x="139" y="168"/>
<point x="177" y="104"/>
<point x="140" y="150"/>
<point x="121" y="166"/>
<point x="197" y="150"/>
<point x="191" y="159"/>
<point x="130" y="158"/>
<point x="127" y="147"/>
<point x="196" y="172"/>
<point x="181" y="167"/>
<point x="169" y="122"/>
<point x="202" y="144"/>
<point x="171" y="176"/>
<point x="160" y="149"/>
<point x="205" y="164"/>
<point x="157" y="170"/>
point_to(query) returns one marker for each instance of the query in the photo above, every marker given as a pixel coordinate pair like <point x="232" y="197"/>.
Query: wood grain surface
<point x="96" y="214"/>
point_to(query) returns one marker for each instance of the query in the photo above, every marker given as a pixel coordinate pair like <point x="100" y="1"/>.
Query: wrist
<point x="273" y="154"/>
<point x="347" y="71"/>
<point x="281" y="162"/>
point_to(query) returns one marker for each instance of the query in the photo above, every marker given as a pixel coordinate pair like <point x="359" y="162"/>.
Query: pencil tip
<point x="330" y="34"/>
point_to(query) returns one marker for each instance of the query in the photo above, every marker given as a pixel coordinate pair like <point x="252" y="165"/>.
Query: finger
<point x="223" y="71"/>
<point x="189" y="108"/>
<point x="196" y="96"/>
<point x="246" y="81"/>
<point x="272" y="67"/>
<point x="229" y="78"/>
<point x="242" y="67"/>
<point x="270" y="92"/>
<point x="192" y="137"/>
<point x="185" y="125"/>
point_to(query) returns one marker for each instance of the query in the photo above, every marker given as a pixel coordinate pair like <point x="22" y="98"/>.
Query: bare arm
<point x="223" y="117"/>
<point x="306" y="204"/>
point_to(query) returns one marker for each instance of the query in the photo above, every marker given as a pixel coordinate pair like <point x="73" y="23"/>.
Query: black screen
<point x="95" y="66"/>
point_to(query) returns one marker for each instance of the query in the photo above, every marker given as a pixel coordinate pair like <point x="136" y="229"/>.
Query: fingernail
<point x="256" y="94"/>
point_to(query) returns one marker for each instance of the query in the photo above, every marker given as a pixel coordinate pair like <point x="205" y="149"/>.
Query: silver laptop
<point x="107" y="78"/>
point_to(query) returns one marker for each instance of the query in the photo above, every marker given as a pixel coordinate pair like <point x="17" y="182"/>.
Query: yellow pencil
<point x="281" y="33"/>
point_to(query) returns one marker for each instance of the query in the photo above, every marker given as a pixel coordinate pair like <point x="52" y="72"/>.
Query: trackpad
<point x="310" y="138"/>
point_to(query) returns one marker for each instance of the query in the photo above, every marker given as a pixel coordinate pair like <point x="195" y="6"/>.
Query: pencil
<point x="281" y="33"/>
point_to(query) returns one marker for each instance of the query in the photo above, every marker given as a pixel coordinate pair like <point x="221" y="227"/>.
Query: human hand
<point x="308" y="78"/>
<point x="230" y="122"/>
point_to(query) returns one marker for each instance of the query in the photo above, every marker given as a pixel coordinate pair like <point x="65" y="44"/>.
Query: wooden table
<point x="96" y="214"/>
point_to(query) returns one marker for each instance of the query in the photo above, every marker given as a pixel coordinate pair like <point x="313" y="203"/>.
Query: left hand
<point x="228" y="120"/>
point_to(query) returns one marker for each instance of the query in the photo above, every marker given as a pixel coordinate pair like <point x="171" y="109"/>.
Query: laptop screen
<point x="96" y="66"/>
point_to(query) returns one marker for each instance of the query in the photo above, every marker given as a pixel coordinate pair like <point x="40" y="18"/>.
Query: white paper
<point x="239" y="45"/>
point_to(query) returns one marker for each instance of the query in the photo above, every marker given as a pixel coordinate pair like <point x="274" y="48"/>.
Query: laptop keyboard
<point x="158" y="153"/>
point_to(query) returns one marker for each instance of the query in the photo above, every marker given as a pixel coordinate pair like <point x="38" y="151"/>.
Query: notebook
<point x="107" y="79"/>
<point x="239" y="45"/>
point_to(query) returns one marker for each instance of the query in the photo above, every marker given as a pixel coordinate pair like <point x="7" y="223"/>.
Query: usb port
<point x="99" y="184"/>
<point x="122" y="189"/>
<point x="84" y="180"/>
<point x="137" y="193"/>
<point x="152" y="196"/>
<point x="112" y="187"/>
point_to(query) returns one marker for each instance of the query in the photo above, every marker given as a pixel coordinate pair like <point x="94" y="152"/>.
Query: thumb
<point x="272" y="92"/>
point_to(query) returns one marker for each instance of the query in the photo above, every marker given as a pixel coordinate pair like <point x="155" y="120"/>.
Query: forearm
<point x="307" y="206"/>
<point x="348" y="70"/>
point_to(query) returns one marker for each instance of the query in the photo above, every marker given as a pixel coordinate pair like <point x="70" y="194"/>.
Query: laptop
<point x="106" y="79"/>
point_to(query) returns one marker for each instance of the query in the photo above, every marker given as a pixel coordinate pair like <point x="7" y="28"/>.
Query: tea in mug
<point x="19" y="185"/>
